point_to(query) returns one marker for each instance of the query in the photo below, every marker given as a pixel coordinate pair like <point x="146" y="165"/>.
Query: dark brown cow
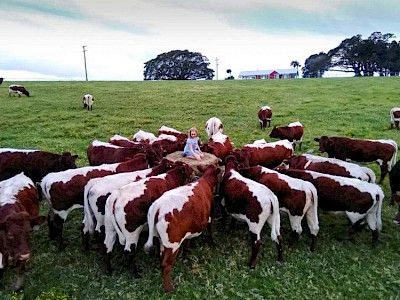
<point x="19" y="90"/>
<point x="394" y="179"/>
<point x="171" y="131"/>
<point x="360" y="200"/>
<point x="293" y="132"/>
<point x="395" y="117"/>
<point x="253" y="203"/>
<point x="219" y="145"/>
<point x="264" y="116"/>
<point x="382" y="151"/>
<point x="168" y="143"/>
<point x="64" y="190"/>
<point x="180" y="214"/>
<point x="296" y="197"/>
<point x="105" y="153"/>
<point x="34" y="163"/>
<point x="126" y="209"/>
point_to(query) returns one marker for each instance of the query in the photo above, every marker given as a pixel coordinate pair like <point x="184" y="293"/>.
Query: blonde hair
<point x="193" y="129"/>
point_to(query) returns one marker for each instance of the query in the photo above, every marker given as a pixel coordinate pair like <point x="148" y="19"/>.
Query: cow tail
<point x="276" y="220"/>
<point x="393" y="160"/>
<point x="312" y="212"/>
<point x="379" y="199"/>
<point x="88" y="213"/>
<point x="151" y="215"/>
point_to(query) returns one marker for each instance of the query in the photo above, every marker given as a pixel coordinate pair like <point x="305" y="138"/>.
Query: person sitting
<point x="192" y="148"/>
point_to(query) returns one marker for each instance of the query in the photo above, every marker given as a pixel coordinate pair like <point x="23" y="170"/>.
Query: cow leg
<point x="279" y="249"/>
<point x="106" y="260"/>
<point x="210" y="239"/>
<point x="18" y="284"/>
<point x="301" y="142"/>
<point x="255" y="248"/>
<point x="375" y="237"/>
<point x="167" y="262"/>
<point x="294" y="238"/>
<point x="313" y="243"/>
<point x="85" y="236"/>
<point x="131" y="261"/>
<point x="56" y="224"/>
<point x="384" y="171"/>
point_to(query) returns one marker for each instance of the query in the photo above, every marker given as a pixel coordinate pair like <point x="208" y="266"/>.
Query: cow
<point x="88" y="101"/>
<point x="219" y="145"/>
<point x="296" y="197"/>
<point x="122" y="141"/>
<point x="264" y="116"/>
<point x="180" y="214"/>
<point x="19" y="213"/>
<point x="293" y="132"/>
<point x="359" y="200"/>
<point x="34" y="163"/>
<point x="395" y="117"/>
<point x="105" y="153"/>
<point x="97" y="191"/>
<point x="253" y="203"/>
<point x="143" y="136"/>
<point x="19" y="90"/>
<point x="171" y="131"/>
<point x="330" y="166"/>
<point x="127" y="207"/>
<point x="213" y="125"/>
<point x="384" y="152"/>
<point x="394" y="179"/>
<point x="64" y="190"/>
<point x="169" y="143"/>
<point x="269" y="155"/>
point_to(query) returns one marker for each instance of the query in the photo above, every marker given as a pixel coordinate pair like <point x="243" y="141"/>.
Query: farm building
<point x="269" y="74"/>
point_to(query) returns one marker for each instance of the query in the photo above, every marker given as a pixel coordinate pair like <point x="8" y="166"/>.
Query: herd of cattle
<point x="130" y="183"/>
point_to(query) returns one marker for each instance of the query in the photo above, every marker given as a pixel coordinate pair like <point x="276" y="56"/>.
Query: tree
<point x="295" y="64"/>
<point x="178" y="65"/>
<point x="229" y="71"/>
<point x="316" y="65"/>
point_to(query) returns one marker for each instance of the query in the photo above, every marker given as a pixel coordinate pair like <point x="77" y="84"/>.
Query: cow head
<point x="325" y="143"/>
<point x="185" y="172"/>
<point x="66" y="161"/>
<point x="274" y="132"/>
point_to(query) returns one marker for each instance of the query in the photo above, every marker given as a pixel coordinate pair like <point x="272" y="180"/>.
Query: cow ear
<point x="75" y="157"/>
<point x="221" y="126"/>
<point x="317" y="139"/>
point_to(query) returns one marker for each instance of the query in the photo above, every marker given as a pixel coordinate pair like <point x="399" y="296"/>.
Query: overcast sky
<point x="42" y="39"/>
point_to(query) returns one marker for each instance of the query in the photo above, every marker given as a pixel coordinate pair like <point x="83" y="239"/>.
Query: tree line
<point x="379" y="53"/>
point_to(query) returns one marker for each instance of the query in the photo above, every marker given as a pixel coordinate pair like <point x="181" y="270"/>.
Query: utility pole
<point x="84" y="59"/>
<point x="216" y="64"/>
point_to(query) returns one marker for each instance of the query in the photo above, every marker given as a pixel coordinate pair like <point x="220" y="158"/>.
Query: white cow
<point x="88" y="101"/>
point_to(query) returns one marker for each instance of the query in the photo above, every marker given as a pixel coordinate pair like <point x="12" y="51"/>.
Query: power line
<point x="216" y="65"/>
<point x="84" y="59"/>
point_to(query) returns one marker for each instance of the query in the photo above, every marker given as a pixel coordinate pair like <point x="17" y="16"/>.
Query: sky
<point x="43" y="39"/>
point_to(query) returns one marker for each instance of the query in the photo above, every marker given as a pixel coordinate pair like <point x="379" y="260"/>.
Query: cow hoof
<point x="18" y="284"/>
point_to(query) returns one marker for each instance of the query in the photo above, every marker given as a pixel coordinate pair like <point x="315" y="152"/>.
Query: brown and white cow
<point x="172" y="131"/>
<point x="395" y="117"/>
<point x="34" y="163"/>
<point x="181" y="214"/>
<point x="264" y="116"/>
<point x="127" y="207"/>
<point x="213" y="125"/>
<point x="293" y="132"/>
<point x="105" y="153"/>
<point x="64" y="190"/>
<point x="16" y="89"/>
<point x="169" y="143"/>
<point x="330" y="166"/>
<point x="384" y="152"/>
<point x="296" y="197"/>
<point x="253" y="203"/>
<point x="88" y="101"/>
<point x="119" y="140"/>
<point x="359" y="200"/>
<point x="219" y="145"/>
<point x="144" y="136"/>
<point x="19" y="212"/>
<point x="97" y="191"/>
<point x="268" y="155"/>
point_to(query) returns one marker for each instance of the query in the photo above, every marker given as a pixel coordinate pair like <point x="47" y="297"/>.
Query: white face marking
<point x="265" y="107"/>
<point x="16" y="150"/>
<point x="295" y="124"/>
<point x="168" y="137"/>
<point x="213" y="126"/>
<point x="284" y="143"/>
<point x="168" y="129"/>
<point x="219" y="137"/>
<point x="97" y="143"/>
<point x="144" y="135"/>
<point x="11" y="187"/>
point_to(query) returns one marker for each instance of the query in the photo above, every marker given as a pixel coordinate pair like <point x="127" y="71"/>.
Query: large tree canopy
<point x="316" y="65"/>
<point x="178" y="65"/>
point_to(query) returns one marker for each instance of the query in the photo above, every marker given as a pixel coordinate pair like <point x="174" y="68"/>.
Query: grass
<point x="53" y="120"/>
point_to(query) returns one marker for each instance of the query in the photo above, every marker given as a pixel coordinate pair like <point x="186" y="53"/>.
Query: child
<point x="192" y="149"/>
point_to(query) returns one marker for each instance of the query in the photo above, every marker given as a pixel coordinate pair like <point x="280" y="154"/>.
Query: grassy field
<point x="53" y="120"/>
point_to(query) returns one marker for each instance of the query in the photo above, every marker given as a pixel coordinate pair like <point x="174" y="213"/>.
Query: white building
<point x="269" y="74"/>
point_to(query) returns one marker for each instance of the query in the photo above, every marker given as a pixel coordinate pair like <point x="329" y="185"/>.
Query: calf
<point x="213" y="125"/>
<point x="104" y="153"/>
<point x="394" y="179"/>
<point x="253" y="203"/>
<point x="143" y="136"/>
<point x="219" y="145"/>
<point x="330" y="166"/>
<point x="264" y="116"/>
<point x="361" y="201"/>
<point x="395" y="117"/>
<point x="19" y="90"/>
<point x="296" y="197"/>
<point x="126" y="209"/>
<point x="180" y="214"/>
<point x="268" y="155"/>
<point x="97" y="191"/>
<point x="88" y="101"/>
<point x="64" y="190"/>
<point x="384" y="152"/>
<point x="293" y="132"/>
<point x="171" y="131"/>
<point x="34" y="163"/>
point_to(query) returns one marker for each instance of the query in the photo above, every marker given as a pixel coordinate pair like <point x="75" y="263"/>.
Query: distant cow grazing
<point x="394" y="179"/>
<point x="359" y="200"/>
<point x="88" y="101"/>
<point x="181" y="214"/>
<point x="34" y="163"/>
<point x="330" y="166"/>
<point x="384" y="152"/>
<point x="19" y="90"/>
<point x="395" y="117"/>
<point x="264" y="116"/>
<point x="293" y="132"/>
<point x="19" y="212"/>
<point x="213" y="125"/>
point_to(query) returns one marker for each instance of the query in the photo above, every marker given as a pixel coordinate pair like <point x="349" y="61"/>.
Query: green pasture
<point x="53" y="119"/>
